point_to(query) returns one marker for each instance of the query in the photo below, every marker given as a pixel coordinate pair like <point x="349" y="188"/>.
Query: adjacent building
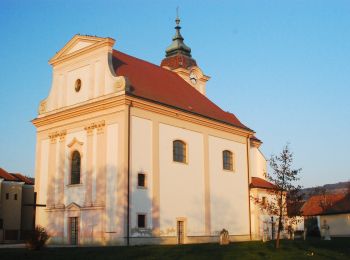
<point x="16" y="219"/>
<point x="331" y="210"/>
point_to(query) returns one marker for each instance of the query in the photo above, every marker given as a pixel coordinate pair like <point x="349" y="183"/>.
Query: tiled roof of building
<point x="6" y="176"/>
<point x="15" y="177"/>
<point x="294" y="208"/>
<point x="178" y="61"/>
<point x="254" y="138"/>
<point x="261" y="183"/>
<point x="326" y="204"/>
<point x="25" y="179"/>
<point x="154" y="83"/>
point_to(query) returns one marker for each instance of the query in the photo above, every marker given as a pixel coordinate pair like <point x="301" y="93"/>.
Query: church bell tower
<point x="178" y="58"/>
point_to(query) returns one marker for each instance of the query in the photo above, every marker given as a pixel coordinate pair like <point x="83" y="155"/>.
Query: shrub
<point x="38" y="238"/>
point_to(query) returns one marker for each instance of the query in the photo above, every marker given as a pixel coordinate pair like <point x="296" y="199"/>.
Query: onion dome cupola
<point x="178" y="58"/>
<point x="178" y="54"/>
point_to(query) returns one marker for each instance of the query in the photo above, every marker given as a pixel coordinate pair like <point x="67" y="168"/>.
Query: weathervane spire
<point x="177" y="20"/>
<point x="178" y="46"/>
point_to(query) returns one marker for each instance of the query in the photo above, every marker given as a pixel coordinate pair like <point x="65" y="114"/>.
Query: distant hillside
<point x="340" y="187"/>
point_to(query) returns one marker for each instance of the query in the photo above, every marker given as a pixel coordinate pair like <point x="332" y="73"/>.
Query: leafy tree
<point x="286" y="190"/>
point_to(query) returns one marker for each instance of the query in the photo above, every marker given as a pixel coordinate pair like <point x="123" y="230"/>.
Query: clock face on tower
<point x="193" y="78"/>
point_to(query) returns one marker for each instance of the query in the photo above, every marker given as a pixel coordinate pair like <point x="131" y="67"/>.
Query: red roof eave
<point x="162" y="86"/>
<point x="328" y="204"/>
<point x="7" y="176"/>
<point x="262" y="184"/>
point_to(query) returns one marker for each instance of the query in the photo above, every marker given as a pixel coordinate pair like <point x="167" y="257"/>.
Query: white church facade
<point x="129" y="152"/>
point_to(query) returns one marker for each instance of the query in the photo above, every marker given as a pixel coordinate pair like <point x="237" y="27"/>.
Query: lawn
<point x="298" y="249"/>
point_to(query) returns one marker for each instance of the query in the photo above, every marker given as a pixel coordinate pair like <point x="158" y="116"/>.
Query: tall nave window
<point x="227" y="160"/>
<point x="179" y="151"/>
<point x="75" y="169"/>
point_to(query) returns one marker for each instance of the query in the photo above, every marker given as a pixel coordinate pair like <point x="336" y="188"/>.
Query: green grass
<point x="311" y="249"/>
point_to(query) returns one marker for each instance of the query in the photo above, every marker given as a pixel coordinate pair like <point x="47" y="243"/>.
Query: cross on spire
<point x="178" y="46"/>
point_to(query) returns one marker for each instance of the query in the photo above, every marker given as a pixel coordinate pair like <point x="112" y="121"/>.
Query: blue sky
<point x="283" y="67"/>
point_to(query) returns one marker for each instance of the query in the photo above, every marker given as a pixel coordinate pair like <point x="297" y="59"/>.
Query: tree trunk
<point x="279" y="221"/>
<point x="278" y="232"/>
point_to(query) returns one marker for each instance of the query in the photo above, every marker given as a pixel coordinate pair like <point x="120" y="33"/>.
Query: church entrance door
<point x="180" y="232"/>
<point x="74" y="231"/>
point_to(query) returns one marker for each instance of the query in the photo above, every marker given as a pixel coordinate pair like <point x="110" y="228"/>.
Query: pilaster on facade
<point x="89" y="166"/>
<point x="155" y="175"/>
<point x="55" y="177"/>
<point x="207" y="210"/>
<point x="100" y="161"/>
<point x="96" y="129"/>
<point x="52" y="169"/>
<point x="61" y="171"/>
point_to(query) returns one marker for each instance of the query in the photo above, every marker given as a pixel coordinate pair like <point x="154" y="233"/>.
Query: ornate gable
<point x="82" y="71"/>
<point x="78" y="45"/>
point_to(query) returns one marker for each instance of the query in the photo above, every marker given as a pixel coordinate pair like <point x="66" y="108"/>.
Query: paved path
<point x="12" y="246"/>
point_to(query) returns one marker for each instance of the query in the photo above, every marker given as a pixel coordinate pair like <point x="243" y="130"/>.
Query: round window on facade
<point x="77" y="85"/>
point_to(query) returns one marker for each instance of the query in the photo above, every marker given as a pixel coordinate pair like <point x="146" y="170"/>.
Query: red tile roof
<point x="154" y="83"/>
<point x="326" y="204"/>
<point x="25" y="179"/>
<point x="254" y="138"/>
<point x="261" y="183"/>
<point x="6" y="176"/>
<point x="178" y="61"/>
<point x="15" y="177"/>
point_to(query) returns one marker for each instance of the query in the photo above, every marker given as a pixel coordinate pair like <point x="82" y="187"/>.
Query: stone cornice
<point x="118" y="100"/>
<point x="64" y="208"/>
<point x="83" y="109"/>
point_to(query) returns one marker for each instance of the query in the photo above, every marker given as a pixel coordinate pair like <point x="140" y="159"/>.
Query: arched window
<point x="75" y="169"/>
<point x="227" y="160"/>
<point x="179" y="151"/>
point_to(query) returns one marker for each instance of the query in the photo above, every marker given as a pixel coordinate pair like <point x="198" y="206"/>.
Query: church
<point x="129" y="152"/>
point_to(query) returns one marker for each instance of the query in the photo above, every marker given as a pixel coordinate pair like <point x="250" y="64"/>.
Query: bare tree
<point x="286" y="190"/>
<point x="325" y="203"/>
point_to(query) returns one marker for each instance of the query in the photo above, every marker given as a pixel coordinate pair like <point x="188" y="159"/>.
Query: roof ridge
<point x="142" y="60"/>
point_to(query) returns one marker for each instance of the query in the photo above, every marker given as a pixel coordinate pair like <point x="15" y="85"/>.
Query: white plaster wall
<point x="44" y="169"/>
<point x="83" y="73"/>
<point x="259" y="216"/>
<point x="112" y="165"/>
<point x="91" y="224"/>
<point x="339" y="224"/>
<point x="94" y="166"/>
<point x="228" y="190"/>
<point x="75" y="193"/>
<point x="258" y="163"/>
<point x="181" y="185"/>
<point x="65" y="226"/>
<point x="141" y="161"/>
<point x="98" y="78"/>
